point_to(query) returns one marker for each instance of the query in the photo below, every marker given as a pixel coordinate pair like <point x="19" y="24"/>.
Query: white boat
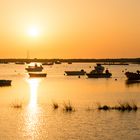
<point x="34" y="68"/>
<point x="57" y="62"/>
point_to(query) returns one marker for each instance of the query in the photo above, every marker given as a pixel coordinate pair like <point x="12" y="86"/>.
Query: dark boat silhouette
<point x="5" y="82"/>
<point x="69" y="62"/>
<point x="97" y="75"/>
<point x="98" y="72"/>
<point x="133" y="75"/>
<point x="35" y="74"/>
<point x="34" y="68"/>
<point x="75" y="73"/>
<point x="20" y="63"/>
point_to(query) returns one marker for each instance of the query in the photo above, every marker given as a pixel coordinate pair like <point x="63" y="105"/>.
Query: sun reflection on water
<point x="33" y="83"/>
<point x="32" y="112"/>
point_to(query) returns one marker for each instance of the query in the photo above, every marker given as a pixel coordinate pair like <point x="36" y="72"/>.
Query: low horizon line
<point x="74" y="58"/>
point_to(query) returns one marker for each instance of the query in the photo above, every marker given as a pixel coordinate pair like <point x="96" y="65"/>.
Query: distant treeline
<point x="121" y="60"/>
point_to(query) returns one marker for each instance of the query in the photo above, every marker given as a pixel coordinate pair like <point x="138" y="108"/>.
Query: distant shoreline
<point x="121" y="60"/>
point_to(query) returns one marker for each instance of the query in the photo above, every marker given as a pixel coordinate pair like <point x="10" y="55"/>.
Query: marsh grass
<point x="67" y="107"/>
<point x="103" y="107"/>
<point x="55" y="105"/>
<point x="122" y="106"/>
<point x="17" y="104"/>
<point x="126" y="106"/>
<point x="89" y="109"/>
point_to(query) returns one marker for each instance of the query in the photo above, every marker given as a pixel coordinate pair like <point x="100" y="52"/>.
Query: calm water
<point x="37" y="119"/>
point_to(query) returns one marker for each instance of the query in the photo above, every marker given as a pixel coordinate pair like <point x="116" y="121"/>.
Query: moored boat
<point x="35" y="68"/>
<point x="69" y="62"/>
<point x="75" y="73"/>
<point x="97" y="75"/>
<point x="133" y="75"/>
<point x="98" y="72"/>
<point x="47" y="63"/>
<point x="20" y="63"/>
<point x="34" y="74"/>
<point x="5" y="82"/>
<point x="57" y="62"/>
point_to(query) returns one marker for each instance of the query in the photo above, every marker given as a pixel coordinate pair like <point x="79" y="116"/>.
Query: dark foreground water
<point x="38" y="120"/>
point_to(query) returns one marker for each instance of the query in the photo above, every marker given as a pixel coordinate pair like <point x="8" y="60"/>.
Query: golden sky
<point x="70" y="28"/>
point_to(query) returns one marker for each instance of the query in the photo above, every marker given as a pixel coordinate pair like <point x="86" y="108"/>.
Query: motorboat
<point x="133" y="75"/>
<point x="35" y="74"/>
<point x="75" y="73"/>
<point x="5" y="82"/>
<point x="34" y="68"/>
<point x="98" y="72"/>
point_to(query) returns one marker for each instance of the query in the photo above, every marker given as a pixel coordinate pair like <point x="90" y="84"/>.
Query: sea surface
<point x="37" y="120"/>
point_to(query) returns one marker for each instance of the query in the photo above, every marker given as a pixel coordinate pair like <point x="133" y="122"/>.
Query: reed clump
<point x="55" y="105"/>
<point x="68" y="107"/>
<point x="89" y="109"/>
<point x="126" y="106"/>
<point x="104" y="107"/>
<point x="17" y="104"/>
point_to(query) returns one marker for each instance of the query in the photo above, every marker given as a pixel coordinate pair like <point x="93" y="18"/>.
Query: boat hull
<point x="75" y="73"/>
<point x="132" y="76"/>
<point x="48" y="63"/>
<point x="102" y="75"/>
<point x="5" y="82"/>
<point x="37" y="74"/>
<point x="34" y="69"/>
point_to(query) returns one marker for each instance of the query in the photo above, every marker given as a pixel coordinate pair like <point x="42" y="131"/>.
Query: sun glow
<point x="33" y="31"/>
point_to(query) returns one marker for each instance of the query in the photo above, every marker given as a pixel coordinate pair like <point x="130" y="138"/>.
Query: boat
<point x="34" y="68"/>
<point x="57" y="62"/>
<point x="69" y="62"/>
<point x="75" y="73"/>
<point x="98" y="72"/>
<point x="20" y="63"/>
<point x="133" y="75"/>
<point x="5" y="82"/>
<point x="132" y="82"/>
<point x="47" y="63"/>
<point x="97" y="75"/>
<point x="34" y="74"/>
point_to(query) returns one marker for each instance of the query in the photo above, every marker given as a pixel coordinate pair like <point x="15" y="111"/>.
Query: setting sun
<point x="33" y="31"/>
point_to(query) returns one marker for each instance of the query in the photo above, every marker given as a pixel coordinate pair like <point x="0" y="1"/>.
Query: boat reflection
<point x="130" y="83"/>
